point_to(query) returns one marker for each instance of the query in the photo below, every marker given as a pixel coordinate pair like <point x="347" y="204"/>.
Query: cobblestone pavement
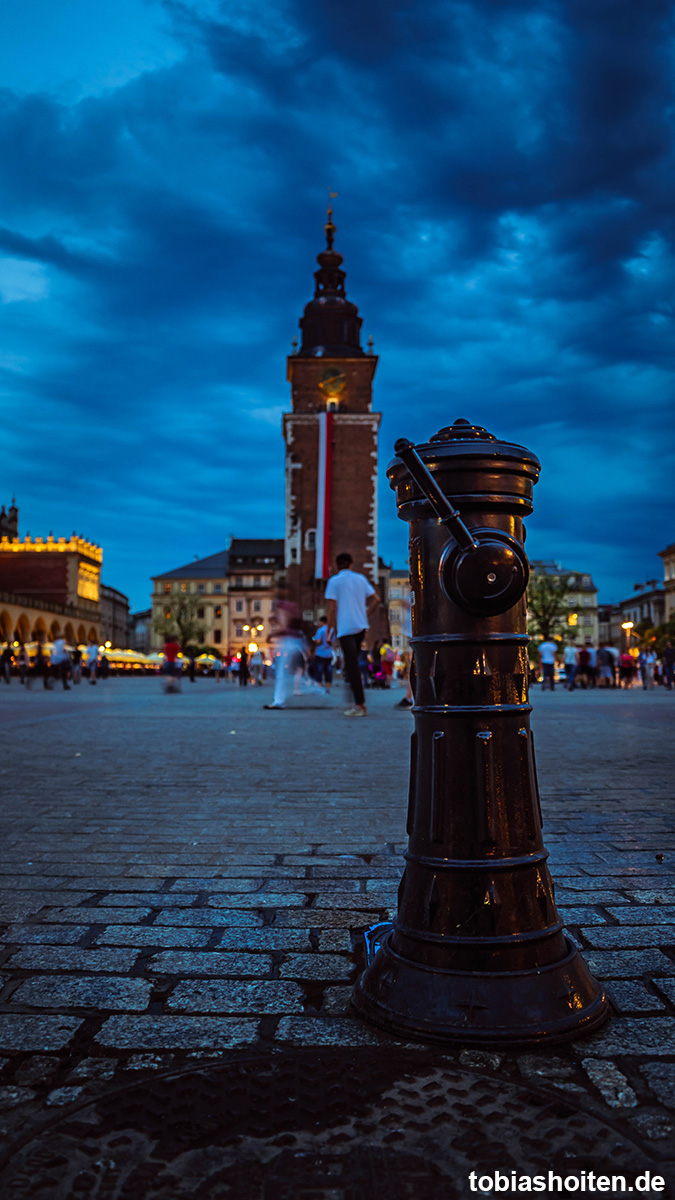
<point x="185" y="880"/>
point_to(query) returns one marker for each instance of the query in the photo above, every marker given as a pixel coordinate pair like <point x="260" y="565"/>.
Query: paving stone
<point x="580" y="915"/>
<point x="96" y="915"/>
<point x="37" y="898"/>
<point x="661" y="1080"/>
<point x="652" y="1126"/>
<point x="612" y="1085"/>
<point x="630" y="997"/>
<point x="567" y="897"/>
<point x="46" y="935"/>
<point x="480" y="1059"/>
<point x="632" y="937"/>
<point x="152" y="899"/>
<point x="94" y="1068"/>
<point x="212" y="962"/>
<point x="148" y="1062"/>
<point x="259" y="900"/>
<point x="636" y="915"/>
<point x="325" y="918"/>
<point x="269" y="938"/>
<point x="333" y="940"/>
<point x="316" y="966"/>
<point x="37" y="1069"/>
<point x="633" y="1035"/>
<point x="73" y="958"/>
<point x="175" y="1033"/>
<point x="209" y="916"/>
<point x="550" y="1067"/>
<point x="20" y="1032"/>
<point x="667" y="986"/>
<point x="62" y="1096"/>
<point x="12" y="1097"/>
<point x="328" y="1031"/>
<point x="215" y="886"/>
<point x="337" y="1002"/>
<point x="236" y="997"/>
<point x="662" y="896"/>
<point x="152" y="935"/>
<point x="622" y="964"/>
<point x="83" y="991"/>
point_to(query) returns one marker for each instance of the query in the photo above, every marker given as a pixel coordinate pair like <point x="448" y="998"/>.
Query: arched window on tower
<point x="310" y="539"/>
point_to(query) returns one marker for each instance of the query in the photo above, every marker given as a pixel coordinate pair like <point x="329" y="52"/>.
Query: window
<point x="310" y="539"/>
<point x="200" y="614"/>
<point x="217" y="637"/>
<point x="256" y="581"/>
<point x="586" y="580"/>
<point x="200" y="588"/>
<point x="218" y="612"/>
<point x="239" y="606"/>
<point x="257" y="606"/>
<point x="183" y="587"/>
<point x="167" y="589"/>
<point x="395" y="593"/>
<point x="218" y="587"/>
<point x="395" y="614"/>
<point x="239" y="631"/>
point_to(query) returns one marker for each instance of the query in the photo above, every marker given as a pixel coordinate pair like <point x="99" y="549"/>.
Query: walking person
<point x="6" y="663"/>
<point x="646" y="664"/>
<point x="605" y="667"/>
<point x="323" y="655"/>
<point x="92" y="659"/>
<point x="626" y="669"/>
<point x="23" y="663"/>
<point x="76" y="659"/>
<point x="592" y="666"/>
<point x="257" y="665"/>
<point x="61" y="662"/>
<point x="668" y="660"/>
<point x="571" y="661"/>
<point x="172" y="667"/>
<point x="243" y="668"/>
<point x="351" y="602"/>
<point x="40" y="667"/>
<point x="547" y="653"/>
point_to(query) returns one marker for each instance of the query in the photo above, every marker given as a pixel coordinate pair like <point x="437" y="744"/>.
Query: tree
<point x="180" y="619"/>
<point x="547" y="605"/>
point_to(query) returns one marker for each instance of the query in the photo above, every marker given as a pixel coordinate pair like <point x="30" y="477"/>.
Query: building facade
<point x="256" y="573"/>
<point x="114" y="618"/>
<point x="668" y="556"/>
<point x="48" y="586"/>
<point x="398" y="603"/>
<point x="207" y="580"/>
<point x="580" y="623"/>
<point x="331" y="442"/>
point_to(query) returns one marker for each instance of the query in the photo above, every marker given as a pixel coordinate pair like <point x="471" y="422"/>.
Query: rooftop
<point x="213" y="567"/>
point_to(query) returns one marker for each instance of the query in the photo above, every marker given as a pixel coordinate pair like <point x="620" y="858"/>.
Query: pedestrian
<point x="571" y="661"/>
<point x="61" y="661"/>
<point x="352" y="599"/>
<point x="616" y="659"/>
<point x="626" y="669"/>
<point x="92" y="659"/>
<point x="23" y="663"/>
<point x="104" y="666"/>
<point x="243" y="667"/>
<point x="583" y="672"/>
<point x="217" y="668"/>
<point x="257" y="665"/>
<point x="40" y="667"/>
<point x="323" y="655"/>
<point x="6" y="663"/>
<point x="172" y="667"/>
<point x="668" y="660"/>
<point x="592" y="666"/>
<point x="192" y="667"/>
<point x="387" y="660"/>
<point x="547" y="653"/>
<point x="76" y="660"/>
<point x="605" y="667"/>
<point x="646" y="664"/>
<point x="406" y="629"/>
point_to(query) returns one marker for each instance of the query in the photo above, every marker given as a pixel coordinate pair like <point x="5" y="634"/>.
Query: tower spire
<point x="331" y="324"/>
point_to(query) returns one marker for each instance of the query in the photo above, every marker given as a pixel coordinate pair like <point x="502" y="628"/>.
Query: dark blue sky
<point x="505" y="177"/>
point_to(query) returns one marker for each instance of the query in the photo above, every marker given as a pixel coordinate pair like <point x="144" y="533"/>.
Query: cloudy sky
<point x="504" y="174"/>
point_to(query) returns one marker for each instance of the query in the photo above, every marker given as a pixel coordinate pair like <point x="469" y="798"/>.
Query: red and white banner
<point x="323" y="494"/>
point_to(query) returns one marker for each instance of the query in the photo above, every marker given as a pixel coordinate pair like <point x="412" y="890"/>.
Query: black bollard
<point x="477" y="952"/>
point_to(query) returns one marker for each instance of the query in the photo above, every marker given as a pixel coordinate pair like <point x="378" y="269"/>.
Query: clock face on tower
<point x="332" y="384"/>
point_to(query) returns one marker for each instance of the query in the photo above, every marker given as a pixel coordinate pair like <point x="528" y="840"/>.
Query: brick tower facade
<point x="331" y="438"/>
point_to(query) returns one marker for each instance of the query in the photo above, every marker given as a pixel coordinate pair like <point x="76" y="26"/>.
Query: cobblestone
<point x="252" y="888"/>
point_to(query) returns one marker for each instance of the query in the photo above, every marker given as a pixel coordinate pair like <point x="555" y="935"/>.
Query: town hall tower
<point x="331" y="439"/>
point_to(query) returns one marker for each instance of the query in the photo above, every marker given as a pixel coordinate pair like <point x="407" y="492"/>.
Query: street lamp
<point x="627" y="625"/>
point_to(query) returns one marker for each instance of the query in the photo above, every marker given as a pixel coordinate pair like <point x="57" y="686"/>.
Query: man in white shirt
<point x="547" y="653"/>
<point x="60" y="660"/>
<point x="351" y="601"/>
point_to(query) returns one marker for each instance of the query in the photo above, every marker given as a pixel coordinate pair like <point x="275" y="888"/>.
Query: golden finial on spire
<point x="329" y="227"/>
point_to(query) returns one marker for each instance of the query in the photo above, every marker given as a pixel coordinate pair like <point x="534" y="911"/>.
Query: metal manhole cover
<point x="324" y="1125"/>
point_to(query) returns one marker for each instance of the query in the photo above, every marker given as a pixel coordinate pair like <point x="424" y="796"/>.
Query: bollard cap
<point x="463" y="430"/>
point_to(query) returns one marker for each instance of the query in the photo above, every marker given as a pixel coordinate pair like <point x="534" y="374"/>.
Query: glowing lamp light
<point x="252" y="647"/>
<point x="108" y="645"/>
<point x="260" y="628"/>
<point x="573" y="619"/>
<point x="626" y="624"/>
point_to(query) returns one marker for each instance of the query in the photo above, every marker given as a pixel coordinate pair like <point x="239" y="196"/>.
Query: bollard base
<point x="556" y="1003"/>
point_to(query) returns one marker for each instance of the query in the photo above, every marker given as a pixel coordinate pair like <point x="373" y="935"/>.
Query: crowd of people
<point x="61" y="664"/>
<point x="583" y="665"/>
